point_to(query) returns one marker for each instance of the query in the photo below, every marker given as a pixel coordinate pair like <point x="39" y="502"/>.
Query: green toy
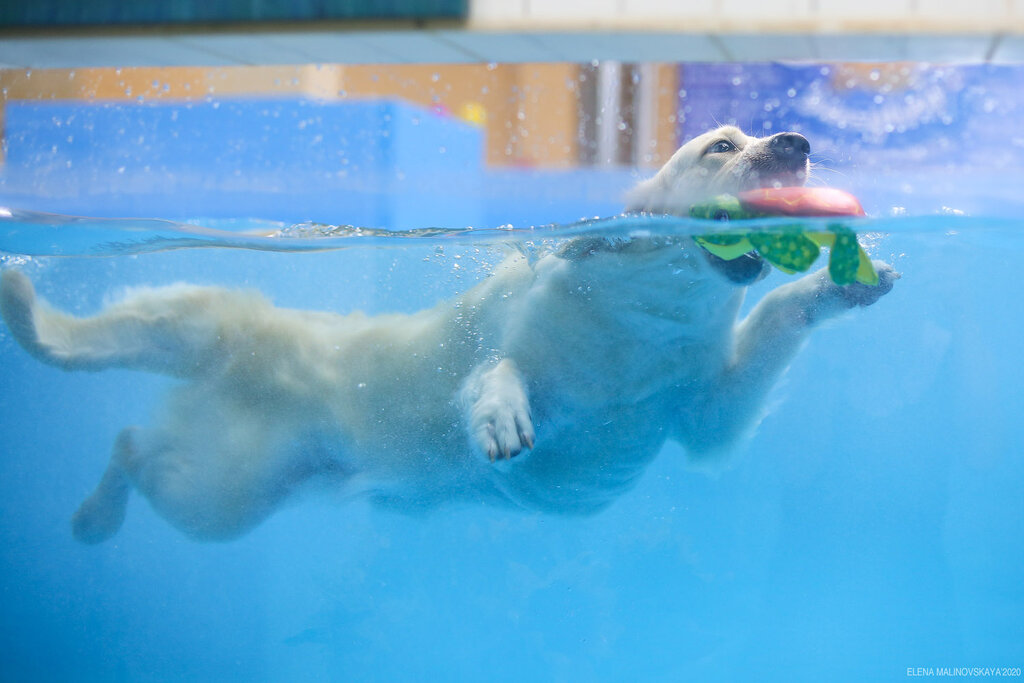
<point x="790" y="248"/>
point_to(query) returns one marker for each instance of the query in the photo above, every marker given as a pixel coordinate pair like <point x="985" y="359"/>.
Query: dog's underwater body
<point x="581" y="363"/>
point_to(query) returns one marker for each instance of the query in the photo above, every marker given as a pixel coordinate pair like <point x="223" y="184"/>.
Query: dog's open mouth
<point x="743" y="271"/>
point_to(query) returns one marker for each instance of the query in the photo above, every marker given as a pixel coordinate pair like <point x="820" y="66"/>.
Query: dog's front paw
<point x="499" y="419"/>
<point x="502" y="431"/>
<point x="819" y="298"/>
<point x="859" y="294"/>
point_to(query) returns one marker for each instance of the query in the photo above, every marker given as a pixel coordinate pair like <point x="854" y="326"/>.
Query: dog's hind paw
<point x="499" y="419"/>
<point x="101" y="515"/>
<point x="96" y="520"/>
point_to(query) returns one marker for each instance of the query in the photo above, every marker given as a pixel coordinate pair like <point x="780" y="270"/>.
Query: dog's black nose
<point x="789" y="146"/>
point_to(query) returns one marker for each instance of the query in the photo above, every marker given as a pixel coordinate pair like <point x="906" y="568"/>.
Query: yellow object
<point x="473" y="112"/>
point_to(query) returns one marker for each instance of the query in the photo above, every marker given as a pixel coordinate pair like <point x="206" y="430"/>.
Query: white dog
<point x="589" y="358"/>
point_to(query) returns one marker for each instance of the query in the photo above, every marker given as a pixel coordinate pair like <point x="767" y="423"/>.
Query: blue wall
<point x="292" y="160"/>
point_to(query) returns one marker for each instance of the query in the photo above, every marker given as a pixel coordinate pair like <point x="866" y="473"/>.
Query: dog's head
<point x="722" y="161"/>
<point x="725" y="161"/>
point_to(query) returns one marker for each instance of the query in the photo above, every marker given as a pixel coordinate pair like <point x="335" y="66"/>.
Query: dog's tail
<point x="174" y="330"/>
<point x="35" y="326"/>
<point x="49" y="335"/>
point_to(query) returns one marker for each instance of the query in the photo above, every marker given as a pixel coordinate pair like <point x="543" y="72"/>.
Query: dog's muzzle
<point x="790" y="149"/>
<point x="779" y="161"/>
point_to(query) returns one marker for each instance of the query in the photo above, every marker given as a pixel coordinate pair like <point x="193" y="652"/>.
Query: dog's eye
<point x="720" y="147"/>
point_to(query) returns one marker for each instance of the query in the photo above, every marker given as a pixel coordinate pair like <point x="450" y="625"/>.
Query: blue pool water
<point x="872" y="525"/>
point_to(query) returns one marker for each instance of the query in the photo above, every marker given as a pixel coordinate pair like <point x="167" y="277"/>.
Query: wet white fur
<point x="691" y="175"/>
<point x="593" y="357"/>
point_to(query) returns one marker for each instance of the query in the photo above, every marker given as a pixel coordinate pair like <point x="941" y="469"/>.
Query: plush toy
<point x="790" y="248"/>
